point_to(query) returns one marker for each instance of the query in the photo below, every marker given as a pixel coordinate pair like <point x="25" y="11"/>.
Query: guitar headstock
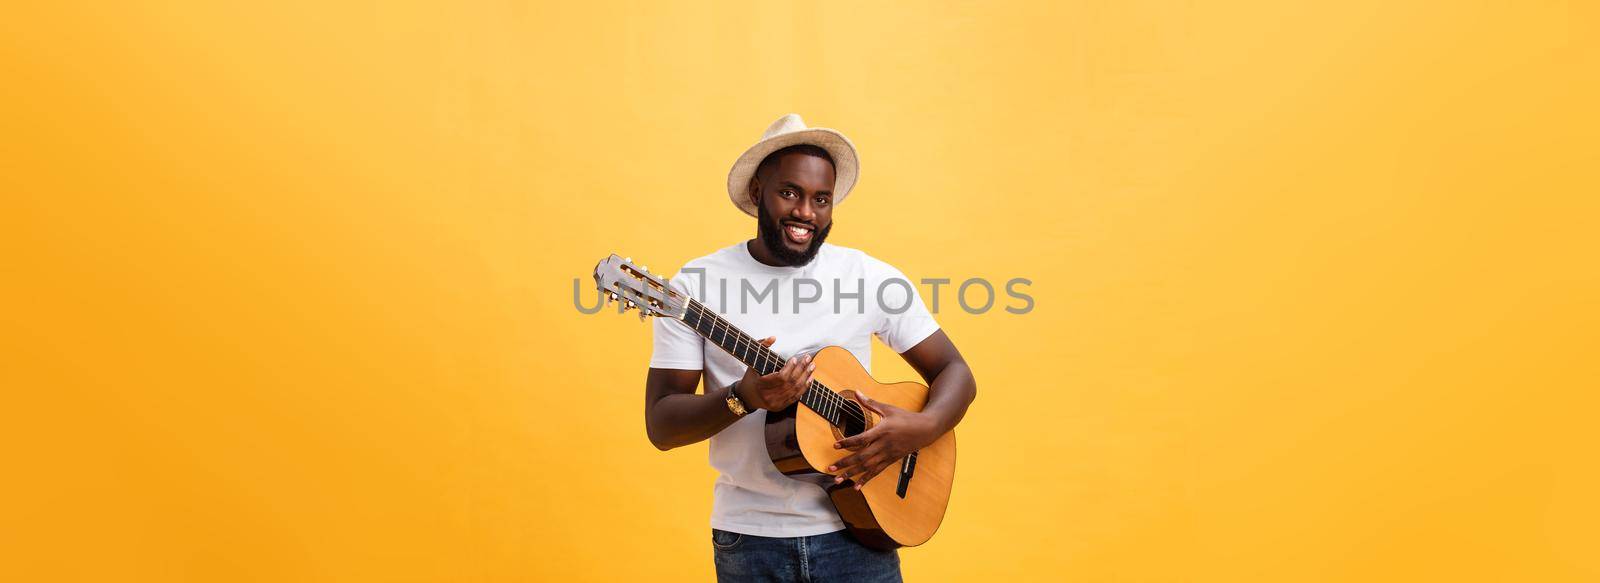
<point x="635" y="287"/>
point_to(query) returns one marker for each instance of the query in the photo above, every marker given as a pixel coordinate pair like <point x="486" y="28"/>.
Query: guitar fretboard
<point x="708" y="324"/>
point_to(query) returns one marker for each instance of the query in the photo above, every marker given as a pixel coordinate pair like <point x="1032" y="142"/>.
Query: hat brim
<point x="845" y="165"/>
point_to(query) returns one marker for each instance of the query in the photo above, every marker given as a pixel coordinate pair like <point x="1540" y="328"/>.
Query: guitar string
<point x="763" y="354"/>
<point x="764" y="357"/>
<point x="837" y="403"/>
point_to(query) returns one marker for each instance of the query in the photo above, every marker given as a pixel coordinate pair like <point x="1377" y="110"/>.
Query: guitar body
<point x="800" y="443"/>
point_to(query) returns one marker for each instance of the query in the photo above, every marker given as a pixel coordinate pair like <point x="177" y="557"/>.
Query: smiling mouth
<point x="797" y="233"/>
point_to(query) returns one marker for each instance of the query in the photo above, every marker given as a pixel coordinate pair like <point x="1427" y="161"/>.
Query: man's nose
<point x="804" y="211"/>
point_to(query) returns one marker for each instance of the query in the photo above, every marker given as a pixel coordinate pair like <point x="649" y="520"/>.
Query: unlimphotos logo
<point x="795" y="295"/>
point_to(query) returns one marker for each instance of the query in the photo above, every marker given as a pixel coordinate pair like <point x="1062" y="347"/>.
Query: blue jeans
<point x="835" y="556"/>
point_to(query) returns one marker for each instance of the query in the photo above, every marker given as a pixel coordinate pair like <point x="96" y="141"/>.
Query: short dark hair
<point x="807" y="149"/>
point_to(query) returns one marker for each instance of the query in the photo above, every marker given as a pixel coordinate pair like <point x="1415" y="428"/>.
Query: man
<point x="766" y="526"/>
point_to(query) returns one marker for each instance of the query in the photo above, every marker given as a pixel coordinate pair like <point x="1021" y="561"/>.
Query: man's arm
<point x="675" y="416"/>
<point x="951" y="389"/>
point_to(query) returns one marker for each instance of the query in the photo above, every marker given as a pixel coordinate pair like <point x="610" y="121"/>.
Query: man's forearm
<point x="949" y="395"/>
<point x="682" y="419"/>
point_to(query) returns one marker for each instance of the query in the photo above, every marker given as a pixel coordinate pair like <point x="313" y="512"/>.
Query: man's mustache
<point x="812" y="226"/>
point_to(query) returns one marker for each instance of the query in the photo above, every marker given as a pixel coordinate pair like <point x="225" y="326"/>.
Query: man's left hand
<point x="897" y="433"/>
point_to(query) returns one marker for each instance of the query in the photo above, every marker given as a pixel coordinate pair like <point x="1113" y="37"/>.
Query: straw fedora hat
<point x="788" y="131"/>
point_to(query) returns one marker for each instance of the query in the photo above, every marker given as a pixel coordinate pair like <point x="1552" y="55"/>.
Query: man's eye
<point x="788" y="193"/>
<point x="822" y="201"/>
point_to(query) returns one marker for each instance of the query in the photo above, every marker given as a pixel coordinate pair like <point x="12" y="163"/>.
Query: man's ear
<point x="754" y="191"/>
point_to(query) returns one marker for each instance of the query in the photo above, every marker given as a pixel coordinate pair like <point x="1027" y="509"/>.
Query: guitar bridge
<point x="908" y="466"/>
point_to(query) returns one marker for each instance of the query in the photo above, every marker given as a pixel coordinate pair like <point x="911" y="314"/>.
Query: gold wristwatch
<point x="734" y="404"/>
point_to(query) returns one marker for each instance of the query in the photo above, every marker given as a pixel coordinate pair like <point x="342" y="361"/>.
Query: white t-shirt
<point x="751" y="496"/>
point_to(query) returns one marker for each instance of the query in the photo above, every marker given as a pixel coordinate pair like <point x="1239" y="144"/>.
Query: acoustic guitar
<point x="889" y="511"/>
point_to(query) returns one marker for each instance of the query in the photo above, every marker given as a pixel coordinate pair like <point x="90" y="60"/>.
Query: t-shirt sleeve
<point x="675" y="345"/>
<point x="913" y="324"/>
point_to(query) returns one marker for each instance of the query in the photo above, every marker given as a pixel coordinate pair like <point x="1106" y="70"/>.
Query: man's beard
<point x="771" y="232"/>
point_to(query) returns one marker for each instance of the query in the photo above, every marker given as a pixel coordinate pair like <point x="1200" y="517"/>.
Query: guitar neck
<point x="708" y="324"/>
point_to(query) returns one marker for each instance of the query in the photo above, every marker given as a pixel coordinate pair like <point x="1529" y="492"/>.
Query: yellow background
<point x="288" y="287"/>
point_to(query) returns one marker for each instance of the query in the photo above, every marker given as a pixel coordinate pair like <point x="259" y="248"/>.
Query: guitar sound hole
<point x="854" y="419"/>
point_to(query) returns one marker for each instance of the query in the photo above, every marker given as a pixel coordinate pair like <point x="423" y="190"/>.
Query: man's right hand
<point x="778" y="390"/>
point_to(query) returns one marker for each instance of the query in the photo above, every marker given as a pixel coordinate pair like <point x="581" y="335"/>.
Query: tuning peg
<point x="644" y="269"/>
<point x="627" y="260"/>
